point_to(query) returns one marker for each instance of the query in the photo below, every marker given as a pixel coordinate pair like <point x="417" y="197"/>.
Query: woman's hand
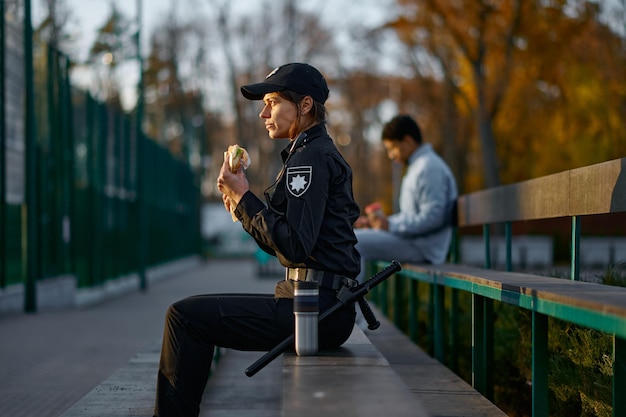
<point x="232" y="185"/>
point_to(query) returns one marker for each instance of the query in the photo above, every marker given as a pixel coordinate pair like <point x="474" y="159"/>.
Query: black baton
<point x="345" y="297"/>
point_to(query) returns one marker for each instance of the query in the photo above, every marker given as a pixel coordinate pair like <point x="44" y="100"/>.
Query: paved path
<point x="48" y="361"/>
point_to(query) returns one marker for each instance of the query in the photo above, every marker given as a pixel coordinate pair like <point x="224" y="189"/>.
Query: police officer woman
<point x="306" y="221"/>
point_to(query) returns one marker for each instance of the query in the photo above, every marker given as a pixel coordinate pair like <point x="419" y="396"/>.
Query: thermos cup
<point x="306" y="311"/>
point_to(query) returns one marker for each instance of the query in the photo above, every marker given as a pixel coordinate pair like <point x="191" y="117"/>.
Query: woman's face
<point x="278" y="114"/>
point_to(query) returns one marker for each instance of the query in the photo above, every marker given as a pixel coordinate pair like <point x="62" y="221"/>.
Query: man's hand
<point x="379" y="222"/>
<point x="361" y="222"/>
<point x="373" y="222"/>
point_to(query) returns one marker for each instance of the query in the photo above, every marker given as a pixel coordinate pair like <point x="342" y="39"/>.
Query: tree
<point x="501" y="61"/>
<point x="470" y="45"/>
<point x="175" y="112"/>
<point x="568" y="97"/>
<point x="53" y="27"/>
<point x="113" y="44"/>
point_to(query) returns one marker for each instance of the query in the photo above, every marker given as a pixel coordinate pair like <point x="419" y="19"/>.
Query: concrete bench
<point x="128" y="392"/>
<point x="354" y="380"/>
<point x="439" y="390"/>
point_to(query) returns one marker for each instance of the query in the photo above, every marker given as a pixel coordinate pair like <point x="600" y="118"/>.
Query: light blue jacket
<point x="427" y="195"/>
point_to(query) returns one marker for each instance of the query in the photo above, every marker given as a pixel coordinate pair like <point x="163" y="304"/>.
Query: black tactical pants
<point x="250" y="322"/>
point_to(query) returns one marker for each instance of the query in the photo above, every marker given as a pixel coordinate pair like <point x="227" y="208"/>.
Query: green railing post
<point x="489" y="342"/>
<point x="439" y="327"/>
<point x="508" y="234"/>
<point x="619" y="376"/>
<point x="540" y="365"/>
<point x="454" y="330"/>
<point x="373" y="295"/>
<point x="575" y="255"/>
<point x="413" y="308"/>
<point x="478" y="330"/>
<point x="383" y="297"/>
<point x="454" y="245"/>
<point x="397" y="300"/>
<point x="431" y="317"/>
<point x="487" y="244"/>
<point x="482" y="345"/>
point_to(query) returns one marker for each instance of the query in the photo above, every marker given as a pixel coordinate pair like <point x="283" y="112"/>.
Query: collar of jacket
<point x="311" y="133"/>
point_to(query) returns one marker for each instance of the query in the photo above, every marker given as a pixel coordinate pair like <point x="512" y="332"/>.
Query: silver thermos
<point x="306" y="311"/>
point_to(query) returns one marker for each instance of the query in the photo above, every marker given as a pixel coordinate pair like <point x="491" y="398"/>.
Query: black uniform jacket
<point x="310" y="215"/>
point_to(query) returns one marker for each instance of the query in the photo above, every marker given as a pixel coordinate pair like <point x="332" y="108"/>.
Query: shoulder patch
<point x="299" y="179"/>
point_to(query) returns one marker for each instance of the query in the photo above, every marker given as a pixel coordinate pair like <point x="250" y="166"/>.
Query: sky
<point x="87" y="16"/>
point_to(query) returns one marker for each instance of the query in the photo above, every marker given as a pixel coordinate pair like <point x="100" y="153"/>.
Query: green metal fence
<point x="106" y="200"/>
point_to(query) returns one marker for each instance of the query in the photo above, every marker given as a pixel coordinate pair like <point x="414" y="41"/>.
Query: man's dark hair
<point x="402" y="125"/>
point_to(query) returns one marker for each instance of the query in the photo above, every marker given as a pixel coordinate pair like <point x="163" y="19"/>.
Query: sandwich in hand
<point x="237" y="158"/>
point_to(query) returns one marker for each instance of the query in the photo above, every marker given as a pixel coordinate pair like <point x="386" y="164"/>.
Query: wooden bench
<point x="594" y="190"/>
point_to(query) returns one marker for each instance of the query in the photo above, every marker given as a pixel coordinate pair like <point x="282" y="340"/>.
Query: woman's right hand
<point x="232" y="185"/>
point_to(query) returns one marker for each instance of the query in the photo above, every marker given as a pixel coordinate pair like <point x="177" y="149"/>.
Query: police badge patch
<point x="299" y="179"/>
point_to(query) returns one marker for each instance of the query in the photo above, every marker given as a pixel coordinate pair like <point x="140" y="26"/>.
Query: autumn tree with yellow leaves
<point x="543" y="83"/>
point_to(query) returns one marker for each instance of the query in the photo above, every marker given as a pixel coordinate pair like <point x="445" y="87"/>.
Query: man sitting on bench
<point x="421" y="232"/>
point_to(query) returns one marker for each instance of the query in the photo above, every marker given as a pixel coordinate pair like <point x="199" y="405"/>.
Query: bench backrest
<point x="595" y="189"/>
<point x="591" y="190"/>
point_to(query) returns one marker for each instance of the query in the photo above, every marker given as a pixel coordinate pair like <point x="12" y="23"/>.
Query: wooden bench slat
<point x="598" y="306"/>
<point x="596" y="297"/>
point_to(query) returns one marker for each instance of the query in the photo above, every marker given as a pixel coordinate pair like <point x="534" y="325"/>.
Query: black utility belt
<point x="323" y="278"/>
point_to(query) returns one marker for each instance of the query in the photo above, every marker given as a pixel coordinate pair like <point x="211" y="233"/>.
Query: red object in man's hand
<point x="374" y="209"/>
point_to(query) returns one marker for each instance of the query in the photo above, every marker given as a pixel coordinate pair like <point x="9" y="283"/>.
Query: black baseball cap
<point x="297" y="77"/>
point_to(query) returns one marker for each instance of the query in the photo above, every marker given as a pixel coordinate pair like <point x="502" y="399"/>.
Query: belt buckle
<point x="299" y="274"/>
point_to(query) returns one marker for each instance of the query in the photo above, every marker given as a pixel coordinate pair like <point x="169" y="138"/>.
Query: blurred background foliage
<point x="505" y="90"/>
